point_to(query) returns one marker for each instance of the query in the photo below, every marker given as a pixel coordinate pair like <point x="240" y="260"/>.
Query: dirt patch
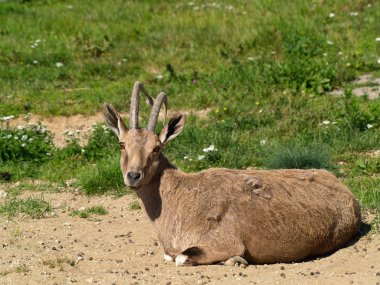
<point x="81" y="124"/>
<point x="369" y="86"/>
<point x="121" y="248"/>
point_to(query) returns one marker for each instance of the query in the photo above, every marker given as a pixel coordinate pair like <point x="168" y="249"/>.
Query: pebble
<point x="283" y="275"/>
<point x="67" y="224"/>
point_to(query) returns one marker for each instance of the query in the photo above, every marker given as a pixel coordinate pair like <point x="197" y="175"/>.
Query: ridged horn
<point x="134" y="111"/>
<point x="161" y="99"/>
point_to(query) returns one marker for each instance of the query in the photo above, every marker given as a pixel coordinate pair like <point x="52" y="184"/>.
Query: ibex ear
<point x="114" y="121"/>
<point x="172" y="129"/>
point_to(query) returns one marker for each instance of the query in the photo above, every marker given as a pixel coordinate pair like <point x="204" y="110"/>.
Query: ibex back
<point x="224" y="215"/>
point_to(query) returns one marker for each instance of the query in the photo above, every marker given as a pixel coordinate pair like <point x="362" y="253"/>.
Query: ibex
<point x="225" y="215"/>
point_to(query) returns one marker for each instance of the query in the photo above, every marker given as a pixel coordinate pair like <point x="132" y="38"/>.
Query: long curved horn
<point x="161" y="99"/>
<point x="134" y="111"/>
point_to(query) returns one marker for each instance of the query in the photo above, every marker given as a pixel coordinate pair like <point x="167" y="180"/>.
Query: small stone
<point x="282" y="267"/>
<point x="67" y="224"/>
<point x="378" y="273"/>
<point x="283" y="275"/>
<point x="90" y="280"/>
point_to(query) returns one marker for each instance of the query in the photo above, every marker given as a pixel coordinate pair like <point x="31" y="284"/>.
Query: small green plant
<point x="299" y="156"/>
<point x="58" y="263"/>
<point x="134" y="205"/>
<point x="19" y="269"/>
<point x="33" y="142"/>
<point x="96" y="210"/>
<point x="35" y="208"/>
<point x="101" y="143"/>
<point x="104" y="177"/>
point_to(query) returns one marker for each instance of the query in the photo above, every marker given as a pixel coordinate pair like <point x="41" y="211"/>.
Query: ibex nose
<point x="133" y="176"/>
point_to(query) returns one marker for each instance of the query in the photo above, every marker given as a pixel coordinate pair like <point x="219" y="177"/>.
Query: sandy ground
<point x="366" y="85"/>
<point x="121" y="248"/>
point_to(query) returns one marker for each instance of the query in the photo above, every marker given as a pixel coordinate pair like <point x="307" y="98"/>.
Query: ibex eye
<point x="156" y="149"/>
<point x="122" y="145"/>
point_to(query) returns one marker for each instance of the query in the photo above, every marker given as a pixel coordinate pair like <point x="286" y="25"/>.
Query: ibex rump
<point x="221" y="214"/>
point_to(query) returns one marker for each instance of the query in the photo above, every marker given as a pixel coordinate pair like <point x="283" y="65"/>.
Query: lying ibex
<point x="262" y="216"/>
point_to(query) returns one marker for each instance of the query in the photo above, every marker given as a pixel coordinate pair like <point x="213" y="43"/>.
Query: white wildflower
<point x="9" y="136"/>
<point x="330" y="43"/>
<point x="331" y="15"/>
<point x="185" y="157"/>
<point x="210" y="148"/>
<point x="35" y="62"/>
<point x="15" y="137"/>
<point x="251" y="58"/>
<point x="326" y="122"/>
<point x="159" y="76"/>
<point x="20" y="127"/>
<point x="325" y="54"/>
<point x="263" y="142"/>
<point x="7" y="118"/>
<point x="200" y="157"/>
<point x="83" y="150"/>
<point x="24" y="138"/>
<point x="340" y="53"/>
<point x="354" y="14"/>
<point x="23" y="145"/>
<point x="369" y="126"/>
<point x="58" y="64"/>
<point x="378" y="60"/>
<point x="378" y="39"/>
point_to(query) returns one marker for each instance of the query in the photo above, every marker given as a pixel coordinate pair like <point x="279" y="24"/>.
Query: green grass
<point x="35" y="208"/>
<point x="103" y="177"/>
<point x="264" y="68"/>
<point x="96" y="210"/>
<point x="300" y="156"/>
<point x="367" y="190"/>
<point x="208" y="55"/>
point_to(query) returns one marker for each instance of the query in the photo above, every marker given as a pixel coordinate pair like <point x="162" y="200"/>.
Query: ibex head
<point x="141" y="148"/>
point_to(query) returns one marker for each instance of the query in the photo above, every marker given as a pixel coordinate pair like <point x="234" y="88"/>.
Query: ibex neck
<point x="150" y="194"/>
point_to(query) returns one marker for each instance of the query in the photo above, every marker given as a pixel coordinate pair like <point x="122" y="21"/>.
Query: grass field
<point x="265" y="68"/>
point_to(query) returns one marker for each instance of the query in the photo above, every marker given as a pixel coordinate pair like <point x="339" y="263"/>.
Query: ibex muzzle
<point x="226" y="215"/>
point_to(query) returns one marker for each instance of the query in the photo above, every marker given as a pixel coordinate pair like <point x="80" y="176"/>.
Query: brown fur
<point x="265" y="216"/>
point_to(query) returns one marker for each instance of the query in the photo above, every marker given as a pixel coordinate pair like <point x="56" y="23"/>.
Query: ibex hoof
<point x="183" y="260"/>
<point x="236" y="261"/>
<point x="168" y="258"/>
